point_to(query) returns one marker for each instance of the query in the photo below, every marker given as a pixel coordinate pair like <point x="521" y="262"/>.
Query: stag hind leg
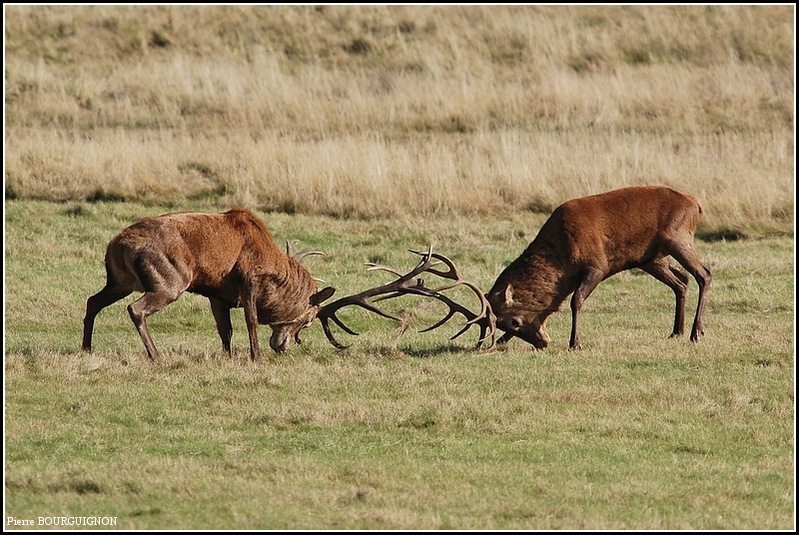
<point x="687" y="256"/>
<point x="677" y="281"/>
<point x="163" y="282"/>
<point x="110" y="294"/>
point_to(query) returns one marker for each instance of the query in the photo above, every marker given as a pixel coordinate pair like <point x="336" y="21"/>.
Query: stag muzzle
<point x="531" y="334"/>
<point x="280" y="340"/>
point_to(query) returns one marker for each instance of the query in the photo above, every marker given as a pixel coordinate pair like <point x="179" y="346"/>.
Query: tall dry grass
<point x="358" y="111"/>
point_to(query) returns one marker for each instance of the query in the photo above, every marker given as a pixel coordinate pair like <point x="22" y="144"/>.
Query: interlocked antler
<point x="404" y="284"/>
<point x="409" y="284"/>
<point x="485" y="319"/>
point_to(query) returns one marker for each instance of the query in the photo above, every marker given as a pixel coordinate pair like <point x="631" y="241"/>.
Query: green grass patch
<point x="412" y="431"/>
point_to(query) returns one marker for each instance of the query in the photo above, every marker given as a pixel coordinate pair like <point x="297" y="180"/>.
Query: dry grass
<point x="360" y="111"/>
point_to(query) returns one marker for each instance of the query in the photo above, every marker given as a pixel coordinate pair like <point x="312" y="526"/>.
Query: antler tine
<point x="302" y="254"/>
<point x="452" y="274"/>
<point x="485" y="319"/>
<point x="402" y="285"/>
<point x="487" y="322"/>
<point x="377" y="267"/>
<point x="409" y="284"/>
<point x="324" y="316"/>
<point x="329" y="333"/>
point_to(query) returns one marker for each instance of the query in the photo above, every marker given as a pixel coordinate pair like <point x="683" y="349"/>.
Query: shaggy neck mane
<point x="290" y="287"/>
<point x="540" y="263"/>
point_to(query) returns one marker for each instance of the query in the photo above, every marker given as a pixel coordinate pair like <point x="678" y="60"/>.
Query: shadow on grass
<point x="443" y="350"/>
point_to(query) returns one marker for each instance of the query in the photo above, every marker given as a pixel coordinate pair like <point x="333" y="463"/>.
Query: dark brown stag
<point x="583" y="242"/>
<point x="230" y="258"/>
<point x="589" y="239"/>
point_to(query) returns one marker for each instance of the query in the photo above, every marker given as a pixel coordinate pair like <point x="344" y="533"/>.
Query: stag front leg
<point x="589" y="282"/>
<point x="505" y="338"/>
<point x="224" y="327"/>
<point x="251" y="318"/>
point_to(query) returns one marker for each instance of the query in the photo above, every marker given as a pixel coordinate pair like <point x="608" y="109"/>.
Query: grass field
<point x="365" y="132"/>
<point x="397" y="432"/>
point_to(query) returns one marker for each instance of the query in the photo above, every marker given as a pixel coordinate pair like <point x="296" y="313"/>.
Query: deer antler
<point x="410" y="284"/>
<point x="404" y="284"/>
<point x="485" y="318"/>
<point x="301" y="254"/>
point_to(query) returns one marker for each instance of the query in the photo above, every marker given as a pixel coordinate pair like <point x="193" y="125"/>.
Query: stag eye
<point x="515" y="324"/>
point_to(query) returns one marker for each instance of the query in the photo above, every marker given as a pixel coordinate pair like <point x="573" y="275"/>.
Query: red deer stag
<point x="230" y="258"/>
<point x="589" y="239"/>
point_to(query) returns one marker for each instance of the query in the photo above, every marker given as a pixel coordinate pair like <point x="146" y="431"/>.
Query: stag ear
<point x="322" y="295"/>
<point x="508" y="295"/>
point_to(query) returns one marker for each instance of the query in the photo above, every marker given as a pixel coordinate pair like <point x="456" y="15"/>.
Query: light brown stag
<point x="230" y="258"/>
<point x="589" y="239"/>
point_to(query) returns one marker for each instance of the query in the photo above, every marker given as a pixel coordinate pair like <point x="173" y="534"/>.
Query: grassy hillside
<point x="364" y="111"/>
